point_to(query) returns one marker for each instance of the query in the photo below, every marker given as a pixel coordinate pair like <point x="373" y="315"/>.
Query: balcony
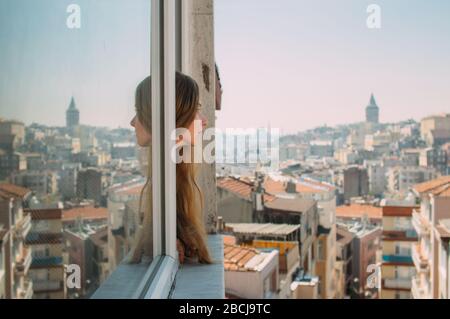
<point x="304" y="286"/>
<point x="46" y="262"/>
<point x="419" y="291"/>
<point x="34" y="238"/>
<point x="398" y="260"/>
<point x="47" y="286"/>
<point x="420" y="262"/>
<point x="420" y="224"/>
<point x="193" y="281"/>
<point x="23" y="262"/>
<point x="407" y="235"/>
<point x="397" y="283"/>
<point x="23" y="227"/>
<point x="27" y="291"/>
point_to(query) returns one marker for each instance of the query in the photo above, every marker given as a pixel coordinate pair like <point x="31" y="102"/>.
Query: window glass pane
<point x="67" y="97"/>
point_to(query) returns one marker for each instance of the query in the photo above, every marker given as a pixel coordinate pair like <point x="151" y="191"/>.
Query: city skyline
<point x="329" y="62"/>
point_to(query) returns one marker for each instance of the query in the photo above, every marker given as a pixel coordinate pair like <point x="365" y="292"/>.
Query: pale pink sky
<point x="301" y="64"/>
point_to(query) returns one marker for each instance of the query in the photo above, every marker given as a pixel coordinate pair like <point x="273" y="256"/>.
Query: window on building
<point x="320" y="250"/>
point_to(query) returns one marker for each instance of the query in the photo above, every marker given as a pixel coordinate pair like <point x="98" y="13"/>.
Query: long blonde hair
<point x="190" y="228"/>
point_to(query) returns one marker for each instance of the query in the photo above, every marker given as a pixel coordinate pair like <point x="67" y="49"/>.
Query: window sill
<point x="192" y="281"/>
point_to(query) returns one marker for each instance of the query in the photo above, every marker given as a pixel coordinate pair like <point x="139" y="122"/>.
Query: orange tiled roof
<point x="235" y="257"/>
<point x="397" y="211"/>
<point x="358" y="211"/>
<point x="88" y="212"/>
<point x="44" y="214"/>
<point x="437" y="186"/>
<point x="9" y="190"/>
<point x="241" y="188"/>
<point x="304" y="186"/>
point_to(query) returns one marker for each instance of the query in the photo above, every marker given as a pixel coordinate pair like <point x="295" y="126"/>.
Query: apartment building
<point x="358" y="212"/>
<point x="235" y="199"/>
<point x="355" y="182"/>
<point x="11" y="163"/>
<point x="365" y="255"/>
<point x="84" y="215"/>
<point x="401" y="178"/>
<point x="90" y="185"/>
<point x="40" y="182"/>
<point x="436" y="158"/>
<point x="87" y="248"/>
<point x="324" y="246"/>
<point x="377" y="176"/>
<point x="398" y="237"/>
<point x="289" y="260"/>
<point x="434" y="197"/>
<point x="443" y="241"/>
<point x="118" y="197"/>
<point x="250" y="273"/>
<point x="278" y="199"/>
<point x="46" y="240"/>
<point x="17" y="256"/>
<point x="13" y="128"/>
<point x="435" y="130"/>
<point x="267" y="237"/>
<point x="344" y="255"/>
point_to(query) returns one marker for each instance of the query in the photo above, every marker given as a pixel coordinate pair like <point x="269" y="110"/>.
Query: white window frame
<point x="165" y="58"/>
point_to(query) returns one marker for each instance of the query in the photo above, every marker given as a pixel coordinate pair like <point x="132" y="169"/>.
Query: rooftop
<point x="296" y="205"/>
<point x="398" y="211"/>
<point x="437" y="187"/>
<point x="358" y="211"/>
<point x="44" y="214"/>
<point x="87" y="212"/>
<point x="241" y="188"/>
<point x="343" y="235"/>
<point x="238" y="258"/>
<point x="277" y="184"/>
<point x="263" y="229"/>
<point x="9" y="190"/>
<point x="100" y="238"/>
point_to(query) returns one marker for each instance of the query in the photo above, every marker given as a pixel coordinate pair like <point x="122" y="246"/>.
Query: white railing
<point x="23" y="227"/>
<point x="47" y="285"/>
<point x="419" y="261"/>
<point x="24" y="261"/>
<point x="420" y="224"/>
<point x="398" y="283"/>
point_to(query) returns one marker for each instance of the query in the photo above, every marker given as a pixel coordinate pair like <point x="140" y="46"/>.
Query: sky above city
<point x="295" y="64"/>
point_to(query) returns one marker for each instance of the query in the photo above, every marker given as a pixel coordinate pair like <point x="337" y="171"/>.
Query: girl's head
<point x="187" y="111"/>
<point x="190" y="228"/>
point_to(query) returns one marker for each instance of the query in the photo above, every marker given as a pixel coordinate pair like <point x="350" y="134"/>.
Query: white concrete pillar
<point x="198" y="61"/>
